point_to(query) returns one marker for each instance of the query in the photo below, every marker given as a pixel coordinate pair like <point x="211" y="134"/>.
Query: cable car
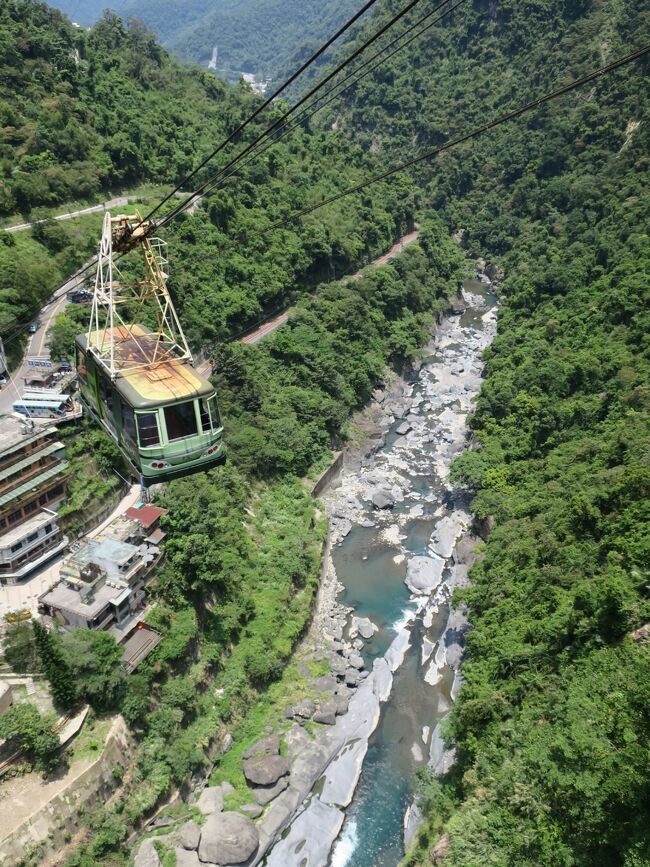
<point x="139" y="383"/>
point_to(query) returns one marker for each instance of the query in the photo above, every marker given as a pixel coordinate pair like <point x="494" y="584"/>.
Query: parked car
<point x="34" y="326"/>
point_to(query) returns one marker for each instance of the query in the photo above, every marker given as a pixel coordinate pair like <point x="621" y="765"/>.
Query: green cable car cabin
<point x="161" y="413"/>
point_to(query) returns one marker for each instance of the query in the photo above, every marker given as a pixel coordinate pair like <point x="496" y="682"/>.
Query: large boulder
<point x="268" y="746"/>
<point x="364" y="626"/>
<point x="382" y="500"/>
<point x="210" y="800"/>
<point x="186" y="858"/>
<point x="265" y="794"/>
<point x="189" y="835"/>
<point x="228" y="838"/>
<point x="424" y="574"/>
<point x="265" y="770"/>
<point x="147" y="855"/>
<point x="304" y="709"/>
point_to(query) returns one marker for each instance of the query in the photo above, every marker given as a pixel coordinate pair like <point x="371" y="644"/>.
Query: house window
<point x="16" y="547"/>
<point x="180" y="420"/>
<point x="47" y="528"/>
<point x="42" y="499"/>
<point x="29" y="508"/>
<point x="14" y="517"/>
<point x="32" y="537"/>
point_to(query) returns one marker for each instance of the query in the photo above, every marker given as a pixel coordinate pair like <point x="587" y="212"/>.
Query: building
<point x="33" y="473"/>
<point x="102" y="583"/>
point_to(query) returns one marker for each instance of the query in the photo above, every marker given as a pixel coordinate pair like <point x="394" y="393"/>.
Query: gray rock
<point x="263" y="794"/>
<point x="365" y="627"/>
<point x="210" y="800"/>
<point x="338" y="665"/>
<point x="352" y="677"/>
<point x="228" y="838"/>
<point x="325" y="717"/>
<point x="341" y="702"/>
<point x="269" y="746"/>
<point x="424" y="574"/>
<point x="382" y="500"/>
<point x="227" y="787"/>
<point x="147" y="855"/>
<point x="326" y="683"/>
<point x="378" y="395"/>
<point x="366" y="522"/>
<point x="356" y="661"/>
<point x="252" y="810"/>
<point x="265" y="770"/>
<point x="189" y="835"/>
<point x="185" y="858"/>
<point x="403" y="428"/>
<point x="304" y="709"/>
<point x="227" y="743"/>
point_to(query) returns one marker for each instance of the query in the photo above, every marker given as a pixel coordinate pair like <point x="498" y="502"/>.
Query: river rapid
<point x="400" y="542"/>
<point x="400" y="573"/>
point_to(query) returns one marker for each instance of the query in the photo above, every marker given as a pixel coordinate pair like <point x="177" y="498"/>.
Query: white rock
<point x="424" y="574"/>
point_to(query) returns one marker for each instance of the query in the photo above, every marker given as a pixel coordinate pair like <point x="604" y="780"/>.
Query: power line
<point x="622" y="61"/>
<point x="266" y="103"/>
<point x="310" y="111"/>
<point x="391" y="23"/>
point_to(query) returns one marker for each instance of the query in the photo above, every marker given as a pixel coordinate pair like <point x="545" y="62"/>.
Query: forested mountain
<point x="552" y="723"/>
<point x="85" y="113"/>
<point x="266" y="37"/>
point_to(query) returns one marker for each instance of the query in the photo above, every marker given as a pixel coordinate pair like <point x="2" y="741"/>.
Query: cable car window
<point x="204" y="411"/>
<point x="128" y="421"/>
<point x="214" y="409"/>
<point x="81" y="365"/>
<point x="180" y="420"/>
<point x="148" y="429"/>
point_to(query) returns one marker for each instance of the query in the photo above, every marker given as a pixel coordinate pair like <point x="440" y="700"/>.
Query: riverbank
<point x="392" y="435"/>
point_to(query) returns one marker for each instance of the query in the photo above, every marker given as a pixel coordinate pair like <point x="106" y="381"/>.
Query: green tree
<point x="19" y="648"/>
<point x="33" y="732"/>
<point x="55" y="666"/>
<point x="95" y="660"/>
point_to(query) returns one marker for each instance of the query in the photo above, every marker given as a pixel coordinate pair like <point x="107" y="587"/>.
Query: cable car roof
<point x="148" y="378"/>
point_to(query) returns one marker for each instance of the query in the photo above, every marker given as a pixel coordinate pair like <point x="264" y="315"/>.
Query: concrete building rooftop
<point x="31" y="525"/>
<point x="64" y="597"/>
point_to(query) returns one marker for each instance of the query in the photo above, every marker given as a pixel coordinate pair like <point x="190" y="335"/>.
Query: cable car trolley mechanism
<point x="137" y="380"/>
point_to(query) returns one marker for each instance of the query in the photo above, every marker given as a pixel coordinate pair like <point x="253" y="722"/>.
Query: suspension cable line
<point x="266" y="103"/>
<point x="503" y="118"/>
<point x="383" y="29"/>
<point x="309" y="111"/>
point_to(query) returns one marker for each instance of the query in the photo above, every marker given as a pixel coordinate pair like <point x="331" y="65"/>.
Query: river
<point x="414" y="540"/>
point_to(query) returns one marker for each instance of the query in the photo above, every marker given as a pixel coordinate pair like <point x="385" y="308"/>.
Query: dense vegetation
<point x="551" y="726"/>
<point x="115" y="109"/>
<point x="266" y="37"/>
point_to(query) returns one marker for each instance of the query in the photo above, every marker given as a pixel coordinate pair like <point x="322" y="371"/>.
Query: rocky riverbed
<point x="400" y="542"/>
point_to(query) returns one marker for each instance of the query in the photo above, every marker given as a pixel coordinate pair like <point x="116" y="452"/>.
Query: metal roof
<point x="12" y="469"/>
<point x="33" y="483"/>
<point x="160" y="378"/>
<point x="19" y="443"/>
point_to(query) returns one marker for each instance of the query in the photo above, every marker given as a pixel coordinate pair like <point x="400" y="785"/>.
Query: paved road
<point x="273" y="324"/>
<point x="120" y="202"/>
<point x="37" y="345"/>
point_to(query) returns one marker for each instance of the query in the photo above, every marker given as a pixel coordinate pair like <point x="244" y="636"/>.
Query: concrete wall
<point x="328" y="476"/>
<point x="47" y="829"/>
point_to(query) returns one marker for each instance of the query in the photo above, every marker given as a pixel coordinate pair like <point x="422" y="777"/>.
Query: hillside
<point x="88" y="113"/>
<point x="265" y="37"/>
<point x="551" y="723"/>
